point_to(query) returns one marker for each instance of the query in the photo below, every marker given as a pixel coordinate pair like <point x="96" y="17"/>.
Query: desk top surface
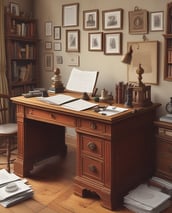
<point x="34" y="102"/>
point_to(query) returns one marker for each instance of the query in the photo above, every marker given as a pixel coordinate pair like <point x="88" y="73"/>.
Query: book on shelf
<point x="166" y="118"/>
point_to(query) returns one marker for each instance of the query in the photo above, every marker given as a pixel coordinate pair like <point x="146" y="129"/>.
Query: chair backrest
<point x="4" y="108"/>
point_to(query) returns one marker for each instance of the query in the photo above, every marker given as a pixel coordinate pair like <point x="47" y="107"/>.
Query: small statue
<point x="57" y="85"/>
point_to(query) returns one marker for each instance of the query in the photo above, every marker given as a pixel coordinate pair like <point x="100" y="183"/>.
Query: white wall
<point x="110" y="67"/>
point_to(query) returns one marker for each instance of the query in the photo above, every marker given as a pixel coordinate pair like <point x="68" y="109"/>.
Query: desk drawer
<point x="164" y="165"/>
<point x="92" y="146"/>
<point x="94" y="126"/>
<point x="92" y="169"/>
<point x="164" y="148"/>
<point x="50" y="117"/>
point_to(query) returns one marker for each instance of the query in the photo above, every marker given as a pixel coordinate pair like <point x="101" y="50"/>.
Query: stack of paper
<point x="145" y="199"/>
<point x="68" y="102"/>
<point x="12" y="189"/>
<point x="164" y="185"/>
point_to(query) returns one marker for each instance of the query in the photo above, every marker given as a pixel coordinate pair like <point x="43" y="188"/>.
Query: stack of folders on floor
<point x="147" y="199"/>
<point x="13" y="189"/>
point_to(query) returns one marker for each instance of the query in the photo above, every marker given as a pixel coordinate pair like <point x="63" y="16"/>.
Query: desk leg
<point x="37" y="141"/>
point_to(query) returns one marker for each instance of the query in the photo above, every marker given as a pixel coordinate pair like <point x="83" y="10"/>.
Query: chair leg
<point x="8" y="154"/>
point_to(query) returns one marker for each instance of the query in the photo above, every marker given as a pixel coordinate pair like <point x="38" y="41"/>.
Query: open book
<point x="82" y="81"/>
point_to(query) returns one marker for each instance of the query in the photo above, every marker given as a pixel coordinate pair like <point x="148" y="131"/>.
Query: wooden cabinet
<point x="21" y="53"/>
<point x="164" y="149"/>
<point x="168" y="45"/>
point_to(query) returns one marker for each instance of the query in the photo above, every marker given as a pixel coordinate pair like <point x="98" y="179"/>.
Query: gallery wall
<point x="111" y="70"/>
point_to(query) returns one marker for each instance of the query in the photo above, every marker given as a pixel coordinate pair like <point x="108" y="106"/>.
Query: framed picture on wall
<point x="70" y="15"/>
<point x="157" y="21"/>
<point x="95" y="41"/>
<point x="48" y="28"/>
<point x="72" y="40"/>
<point x="48" y="45"/>
<point x="57" y="46"/>
<point x="90" y="19"/>
<point x="112" y="19"/>
<point x="138" y="21"/>
<point x="57" y="32"/>
<point x="113" y="43"/>
<point x="48" y="61"/>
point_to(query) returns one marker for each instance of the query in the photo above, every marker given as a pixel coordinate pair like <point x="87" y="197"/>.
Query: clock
<point x="169" y="106"/>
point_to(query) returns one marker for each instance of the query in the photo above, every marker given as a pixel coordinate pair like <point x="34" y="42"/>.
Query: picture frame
<point x="48" y="28"/>
<point x="14" y="9"/>
<point x="57" y="46"/>
<point x="59" y="59"/>
<point x="95" y="41"/>
<point x="48" y="45"/>
<point x="72" y="40"/>
<point x="145" y="53"/>
<point x="112" y="19"/>
<point x="73" y="60"/>
<point x="113" y="43"/>
<point x="57" y="32"/>
<point x="138" y="21"/>
<point x="70" y="15"/>
<point x="157" y="21"/>
<point x="91" y="19"/>
<point x="48" y="61"/>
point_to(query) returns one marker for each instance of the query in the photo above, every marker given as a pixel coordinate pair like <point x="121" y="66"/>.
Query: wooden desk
<point x="114" y="153"/>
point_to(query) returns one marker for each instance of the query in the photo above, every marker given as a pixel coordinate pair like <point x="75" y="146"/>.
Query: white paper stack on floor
<point x="13" y="189"/>
<point x="164" y="185"/>
<point x="145" y="199"/>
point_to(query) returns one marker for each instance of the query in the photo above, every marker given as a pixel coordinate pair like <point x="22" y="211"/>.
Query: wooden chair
<point x="8" y="130"/>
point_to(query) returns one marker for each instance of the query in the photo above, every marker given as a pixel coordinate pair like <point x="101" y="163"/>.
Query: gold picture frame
<point x="138" y="21"/>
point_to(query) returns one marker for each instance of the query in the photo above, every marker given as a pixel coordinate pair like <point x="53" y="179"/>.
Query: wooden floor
<point x="53" y="190"/>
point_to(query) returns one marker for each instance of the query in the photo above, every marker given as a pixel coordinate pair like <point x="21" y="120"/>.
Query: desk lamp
<point x="139" y="94"/>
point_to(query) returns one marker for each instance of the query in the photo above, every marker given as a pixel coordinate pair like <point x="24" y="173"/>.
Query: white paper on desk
<point x="82" y="81"/>
<point x="79" y="105"/>
<point x="110" y="110"/>
<point x="57" y="99"/>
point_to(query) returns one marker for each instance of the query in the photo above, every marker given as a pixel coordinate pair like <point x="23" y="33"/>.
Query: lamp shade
<point x="126" y="59"/>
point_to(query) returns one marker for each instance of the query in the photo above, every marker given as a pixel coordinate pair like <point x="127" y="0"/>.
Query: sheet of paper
<point x="111" y="110"/>
<point x="79" y="105"/>
<point x="82" y="81"/>
<point x="6" y="177"/>
<point x="57" y="99"/>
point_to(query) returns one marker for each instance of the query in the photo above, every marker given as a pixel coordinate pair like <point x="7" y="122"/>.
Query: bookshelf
<point x="168" y="45"/>
<point x="21" y="53"/>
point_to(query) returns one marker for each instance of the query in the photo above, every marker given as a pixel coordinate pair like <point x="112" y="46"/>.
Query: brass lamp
<point x="139" y="93"/>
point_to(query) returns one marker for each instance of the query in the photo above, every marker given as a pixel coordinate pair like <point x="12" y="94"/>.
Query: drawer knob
<point x="93" y="125"/>
<point x="92" y="146"/>
<point x="53" y="116"/>
<point x="92" y="168"/>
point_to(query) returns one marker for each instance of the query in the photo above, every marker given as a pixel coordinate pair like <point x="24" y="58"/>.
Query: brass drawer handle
<point x="93" y="125"/>
<point x="92" y="146"/>
<point x="92" y="168"/>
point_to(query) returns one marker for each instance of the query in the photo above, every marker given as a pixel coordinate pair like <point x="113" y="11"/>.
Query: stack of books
<point x="13" y="189"/>
<point x="146" y="199"/>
